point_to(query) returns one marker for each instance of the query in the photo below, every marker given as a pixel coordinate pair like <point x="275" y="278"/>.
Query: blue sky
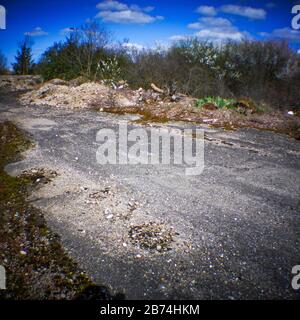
<point x="147" y="22"/>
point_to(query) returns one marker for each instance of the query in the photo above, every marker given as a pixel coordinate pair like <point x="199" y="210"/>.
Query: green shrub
<point x="217" y="101"/>
<point x="266" y="71"/>
<point x="109" y="71"/>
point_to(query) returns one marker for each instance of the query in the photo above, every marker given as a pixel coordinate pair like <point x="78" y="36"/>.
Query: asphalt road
<point x="237" y="224"/>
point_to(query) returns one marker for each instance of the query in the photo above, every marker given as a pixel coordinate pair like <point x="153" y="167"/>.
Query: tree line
<point x="265" y="71"/>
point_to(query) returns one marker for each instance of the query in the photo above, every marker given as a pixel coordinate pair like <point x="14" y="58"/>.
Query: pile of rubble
<point x="156" y="94"/>
<point x="60" y="94"/>
<point x="76" y="95"/>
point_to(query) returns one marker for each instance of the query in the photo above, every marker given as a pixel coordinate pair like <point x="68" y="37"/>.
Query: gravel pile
<point x="76" y="95"/>
<point x="57" y="94"/>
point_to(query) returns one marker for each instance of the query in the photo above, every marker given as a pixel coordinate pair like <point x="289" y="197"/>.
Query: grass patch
<point x="217" y="101"/>
<point x="243" y="106"/>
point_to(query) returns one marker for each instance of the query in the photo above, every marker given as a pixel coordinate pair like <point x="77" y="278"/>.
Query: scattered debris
<point x="209" y="106"/>
<point x="105" y="204"/>
<point x="76" y="95"/>
<point x="156" y="89"/>
<point x="39" y="175"/>
<point x="152" y="235"/>
<point x="245" y="107"/>
<point x="97" y="196"/>
<point x="209" y="120"/>
<point x="156" y="105"/>
<point x="58" y="82"/>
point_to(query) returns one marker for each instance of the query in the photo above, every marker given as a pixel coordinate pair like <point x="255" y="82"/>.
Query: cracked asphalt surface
<point x="237" y="224"/>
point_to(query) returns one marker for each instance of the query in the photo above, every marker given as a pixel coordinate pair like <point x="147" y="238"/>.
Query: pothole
<point x="152" y="236"/>
<point x="39" y="175"/>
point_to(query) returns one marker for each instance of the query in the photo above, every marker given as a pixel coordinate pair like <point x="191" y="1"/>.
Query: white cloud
<point x="207" y="10"/>
<point x="112" y="5"/>
<point x="283" y="34"/>
<point x="219" y="35"/>
<point x="298" y="51"/>
<point x="216" y="35"/>
<point x="210" y="22"/>
<point x="249" y="12"/>
<point x="65" y="31"/>
<point x="133" y="46"/>
<point x="118" y="12"/>
<point x="178" y="37"/>
<point x="119" y="6"/>
<point x="127" y="16"/>
<point x="149" y="9"/>
<point x="161" y="46"/>
<point x="263" y="34"/>
<point x="216" y="29"/>
<point x="36" y="32"/>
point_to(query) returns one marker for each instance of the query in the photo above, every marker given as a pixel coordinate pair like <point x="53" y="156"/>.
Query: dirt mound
<point x="76" y="95"/>
<point x="13" y="83"/>
<point x="57" y="94"/>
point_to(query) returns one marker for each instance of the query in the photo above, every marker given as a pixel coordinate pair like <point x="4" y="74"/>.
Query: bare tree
<point x="88" y="41"/>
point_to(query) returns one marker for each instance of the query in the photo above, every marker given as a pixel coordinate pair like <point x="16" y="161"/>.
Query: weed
<point x="217" y="101"/>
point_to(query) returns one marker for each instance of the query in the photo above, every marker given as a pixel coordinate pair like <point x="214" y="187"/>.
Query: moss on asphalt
<point x="37" y="267"/>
